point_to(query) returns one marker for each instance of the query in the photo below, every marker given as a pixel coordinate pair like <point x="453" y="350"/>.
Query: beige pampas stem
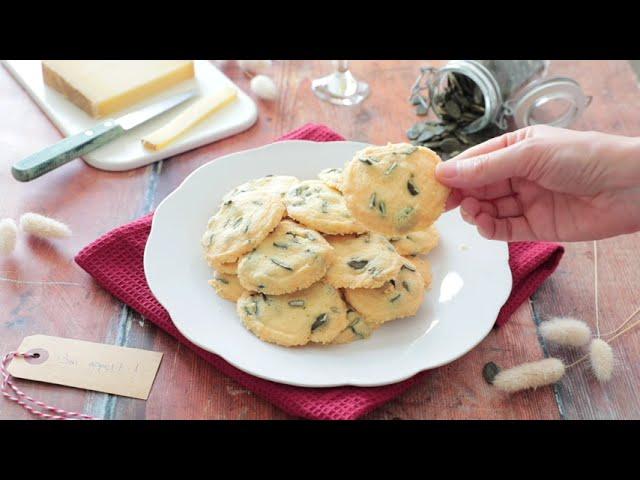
<point x="42" y="226"/>
<point x="566" y="331"/>
<point x="601" y="358"/>
<point x="39" y="283"/>
<point x="623" y="327"/>
<point x="8" y="235"/>
<point x="530" y="375"/>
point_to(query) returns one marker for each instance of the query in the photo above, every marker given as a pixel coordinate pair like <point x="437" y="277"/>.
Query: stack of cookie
<point x="329" y="260"/>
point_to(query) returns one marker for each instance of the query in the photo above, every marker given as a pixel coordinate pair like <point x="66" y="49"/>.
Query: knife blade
<point x="91" y="139"/>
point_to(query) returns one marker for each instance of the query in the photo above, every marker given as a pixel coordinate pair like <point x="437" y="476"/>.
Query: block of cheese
<point x="103" y="87"/>
<point x="192" y="115"/>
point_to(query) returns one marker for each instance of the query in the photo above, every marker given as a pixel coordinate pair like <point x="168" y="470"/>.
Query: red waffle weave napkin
<point x="115" y="261"/>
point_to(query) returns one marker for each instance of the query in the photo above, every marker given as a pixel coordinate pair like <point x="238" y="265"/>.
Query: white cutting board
<point x="127" y="151"/>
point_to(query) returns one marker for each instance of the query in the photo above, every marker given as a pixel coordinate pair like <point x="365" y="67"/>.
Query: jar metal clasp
<point x="556" y="101"/>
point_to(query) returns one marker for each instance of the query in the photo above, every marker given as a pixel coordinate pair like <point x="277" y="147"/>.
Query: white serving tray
<point x="127" y="152"/>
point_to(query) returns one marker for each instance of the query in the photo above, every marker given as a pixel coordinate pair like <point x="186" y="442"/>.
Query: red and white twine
<point x="28" y="403"/>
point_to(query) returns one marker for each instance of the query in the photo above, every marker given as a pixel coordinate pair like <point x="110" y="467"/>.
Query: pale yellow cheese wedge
<point x="192" y="115"/>
<point x="103" y="87"/>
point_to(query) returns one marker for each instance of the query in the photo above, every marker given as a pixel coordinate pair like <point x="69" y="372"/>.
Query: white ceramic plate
<point x="471" y="282"/>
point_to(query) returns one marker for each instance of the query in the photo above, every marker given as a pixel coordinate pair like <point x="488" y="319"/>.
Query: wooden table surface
<point x="93" y="202"/>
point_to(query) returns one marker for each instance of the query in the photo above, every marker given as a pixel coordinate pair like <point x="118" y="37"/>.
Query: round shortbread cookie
<point x="364" y="261"/>
<point x="316" y="205"/>
<point x="332" y="177"/>
<point x="415" y="243"/>
<point x="228" y="268"/>
<point x="392" y="189"/>
<point x="226" y="286"/>
<point x="240" y="225"/>
<point x="423" y="266"/>
<point x="357" y="328"/>
<point x="316" y="314"/>
<point x="399" y="297"/>
<point x="279" y="184"/>
<point x="290" y="258"/>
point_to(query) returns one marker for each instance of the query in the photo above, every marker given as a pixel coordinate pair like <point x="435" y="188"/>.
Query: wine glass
<point x="340" y="87"/>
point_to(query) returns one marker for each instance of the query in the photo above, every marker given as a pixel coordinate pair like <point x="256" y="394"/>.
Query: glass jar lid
<point x="556" y="101"/>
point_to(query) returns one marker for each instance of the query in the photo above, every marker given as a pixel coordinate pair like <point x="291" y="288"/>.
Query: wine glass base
<point x="339" y="90"/>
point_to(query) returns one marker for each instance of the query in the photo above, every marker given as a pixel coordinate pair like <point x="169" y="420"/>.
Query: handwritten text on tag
<point x="94" y="366"/>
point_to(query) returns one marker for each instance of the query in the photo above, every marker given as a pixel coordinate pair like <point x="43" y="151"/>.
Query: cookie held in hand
<point x="392" y="189"/>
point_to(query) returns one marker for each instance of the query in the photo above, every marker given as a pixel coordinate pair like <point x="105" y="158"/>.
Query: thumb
<point x="485" y="168"/>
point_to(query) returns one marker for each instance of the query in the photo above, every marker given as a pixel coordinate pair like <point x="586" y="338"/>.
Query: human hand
<point x="547" y="183"/>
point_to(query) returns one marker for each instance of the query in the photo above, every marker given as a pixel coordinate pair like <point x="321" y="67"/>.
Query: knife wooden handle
<point x="66" y="150"/>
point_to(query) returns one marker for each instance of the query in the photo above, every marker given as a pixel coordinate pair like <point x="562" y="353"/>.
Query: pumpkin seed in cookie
<point x="357" y="329"/>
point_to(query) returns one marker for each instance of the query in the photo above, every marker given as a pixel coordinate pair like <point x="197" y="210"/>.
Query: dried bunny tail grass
<point x="530" y="375"/>
<point x="566" y="331"/>
<point x="601" y="358"/>
<point x="8" y="235"/>
<point x="42" y="226"/>
<point x="264" y="87"/>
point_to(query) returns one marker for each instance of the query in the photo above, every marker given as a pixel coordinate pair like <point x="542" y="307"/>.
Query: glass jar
<point x="516" y="90"/>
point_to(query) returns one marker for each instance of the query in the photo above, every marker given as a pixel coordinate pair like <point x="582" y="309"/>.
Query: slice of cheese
<point x="192" y="115"/>
<point x="102" y="87"/>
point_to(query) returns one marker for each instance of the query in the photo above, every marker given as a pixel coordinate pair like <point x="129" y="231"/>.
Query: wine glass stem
<point x="340" y="87"/>
<point x="342" y="66"/>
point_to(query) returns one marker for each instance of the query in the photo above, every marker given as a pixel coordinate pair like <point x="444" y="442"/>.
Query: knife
<point x="91" y="139"/>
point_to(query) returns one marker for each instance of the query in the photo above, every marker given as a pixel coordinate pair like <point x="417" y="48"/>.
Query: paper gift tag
<point x="94" y="366"/>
